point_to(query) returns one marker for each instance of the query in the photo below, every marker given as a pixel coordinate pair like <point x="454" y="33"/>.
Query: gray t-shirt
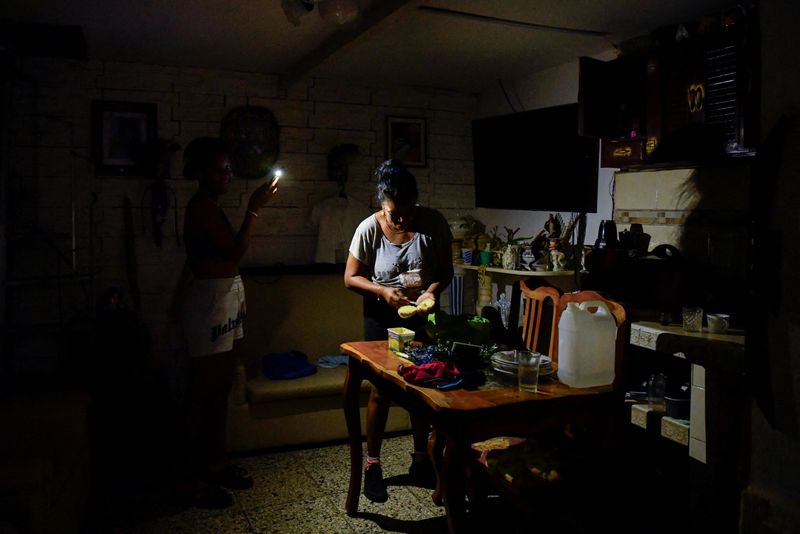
<point x="411" y="265"/>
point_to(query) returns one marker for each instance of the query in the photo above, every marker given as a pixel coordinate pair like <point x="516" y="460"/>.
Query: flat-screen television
<point x="535" y="160"/>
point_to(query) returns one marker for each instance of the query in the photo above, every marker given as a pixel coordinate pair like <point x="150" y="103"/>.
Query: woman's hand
<point x="262" y="194"/>
<point x="424" y="310"/>
<point x="394" y="297"/>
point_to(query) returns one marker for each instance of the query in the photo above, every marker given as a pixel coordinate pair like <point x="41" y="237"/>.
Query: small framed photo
<point x="406" y="140"/>
<point x="124" y="137"/>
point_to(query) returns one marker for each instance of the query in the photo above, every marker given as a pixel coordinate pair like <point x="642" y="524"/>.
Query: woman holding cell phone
<point x="213" y="313"/>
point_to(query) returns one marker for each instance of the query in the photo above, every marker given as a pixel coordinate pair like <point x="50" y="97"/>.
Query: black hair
<point x="200" y="154"/>
<point x="395" y="182"/>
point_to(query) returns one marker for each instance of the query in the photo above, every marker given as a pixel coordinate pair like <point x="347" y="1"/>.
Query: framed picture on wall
<point x="406" y="140"/>
<point x="124" y="138"/>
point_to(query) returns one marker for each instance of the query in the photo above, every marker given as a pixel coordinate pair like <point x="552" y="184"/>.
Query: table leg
<point x="352" y="416"/>
<point x="436" y="451"/>
<point x="454" y="485"/>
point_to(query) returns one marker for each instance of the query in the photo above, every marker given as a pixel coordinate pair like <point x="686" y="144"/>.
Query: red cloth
<point x="425" y="373"/>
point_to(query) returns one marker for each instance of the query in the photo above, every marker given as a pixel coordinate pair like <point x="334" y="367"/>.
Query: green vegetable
<point x="445" y="328"/>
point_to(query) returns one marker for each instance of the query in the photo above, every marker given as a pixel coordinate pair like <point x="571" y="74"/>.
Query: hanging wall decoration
<point x="406" y="140"/>
<point x="253" y="138"/>
<point x="123" y="138"/>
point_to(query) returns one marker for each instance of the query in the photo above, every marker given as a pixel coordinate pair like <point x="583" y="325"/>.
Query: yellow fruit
<point x="426" y="305"/>
<point x="406" y="311"/>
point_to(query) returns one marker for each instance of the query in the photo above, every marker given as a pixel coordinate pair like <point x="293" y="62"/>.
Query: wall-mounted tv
<point x="535" y="160"/>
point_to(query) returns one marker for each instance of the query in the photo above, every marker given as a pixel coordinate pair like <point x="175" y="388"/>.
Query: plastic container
<point x="399" y="338"/>
<point x="586" y="345"/>
<point x="677" y="407"/>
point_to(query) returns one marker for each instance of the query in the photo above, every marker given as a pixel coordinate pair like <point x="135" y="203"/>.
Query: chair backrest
<point x="538" y="319"/>
<point x="620" y="317"/>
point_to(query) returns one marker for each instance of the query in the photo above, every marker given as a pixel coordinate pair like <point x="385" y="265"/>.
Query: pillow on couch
<point x="286" y="365"/>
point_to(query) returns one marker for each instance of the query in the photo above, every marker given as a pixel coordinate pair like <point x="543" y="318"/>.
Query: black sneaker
<point x="212" y="498"/>
<point x="234" y="477"/>
<point x="374" y="485"/>
<point x="421" y="473"/>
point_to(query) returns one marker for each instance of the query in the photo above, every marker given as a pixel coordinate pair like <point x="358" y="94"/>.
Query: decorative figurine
<point x="503" y="305"/>
<point x="510" y="258"/>
<point x="554" y="225"/>
<point x="557" y="258"/>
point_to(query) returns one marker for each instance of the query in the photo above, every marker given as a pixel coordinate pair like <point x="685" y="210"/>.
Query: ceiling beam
<point x="381" y="11"/>
<point x="510" y="22"/>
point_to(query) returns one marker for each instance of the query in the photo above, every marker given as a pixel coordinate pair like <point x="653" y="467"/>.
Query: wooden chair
<point x="539" y="327"/>
<point x="571" y="462"/>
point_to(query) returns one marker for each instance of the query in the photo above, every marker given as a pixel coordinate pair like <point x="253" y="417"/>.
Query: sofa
<point x="306" y="311"/>
<point x="44" y="462"/>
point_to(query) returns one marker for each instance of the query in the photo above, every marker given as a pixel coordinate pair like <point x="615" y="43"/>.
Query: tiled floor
<point x="303" y="491"/>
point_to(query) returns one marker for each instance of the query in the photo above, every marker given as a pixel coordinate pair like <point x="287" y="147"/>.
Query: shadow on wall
<point x="714" y="239"/>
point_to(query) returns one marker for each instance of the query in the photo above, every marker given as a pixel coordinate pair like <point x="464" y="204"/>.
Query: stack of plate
<point x="505" y="362"/>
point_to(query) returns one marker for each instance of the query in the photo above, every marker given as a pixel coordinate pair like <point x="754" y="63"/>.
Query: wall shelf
<point x="523" y="274"/>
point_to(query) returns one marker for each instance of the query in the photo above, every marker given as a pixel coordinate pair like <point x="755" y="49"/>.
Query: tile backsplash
<point x="662" y="201"/>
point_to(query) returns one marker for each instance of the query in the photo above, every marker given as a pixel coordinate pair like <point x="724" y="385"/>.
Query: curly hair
<point x="200" y="154"/>
<point x="395" y="182"/>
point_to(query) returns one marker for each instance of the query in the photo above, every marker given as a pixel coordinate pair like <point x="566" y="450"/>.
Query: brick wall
<point x="49" y="168"/>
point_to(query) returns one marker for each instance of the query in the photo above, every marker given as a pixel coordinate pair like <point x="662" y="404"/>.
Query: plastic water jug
<point x="586" y="345"/>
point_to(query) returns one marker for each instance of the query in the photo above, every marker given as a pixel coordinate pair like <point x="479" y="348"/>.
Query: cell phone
<point x="465" y="350"/>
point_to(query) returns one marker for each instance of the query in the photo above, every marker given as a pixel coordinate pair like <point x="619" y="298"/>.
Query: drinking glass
<point x="528" y="370"/>
<point x="656" y="388"/>
<point x="693" y="319"/>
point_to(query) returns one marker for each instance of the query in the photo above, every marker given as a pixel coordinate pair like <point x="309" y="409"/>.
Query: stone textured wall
<point x="49" y="169"/>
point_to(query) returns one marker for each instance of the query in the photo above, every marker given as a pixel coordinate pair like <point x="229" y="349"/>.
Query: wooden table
<point x="459" y="417"/>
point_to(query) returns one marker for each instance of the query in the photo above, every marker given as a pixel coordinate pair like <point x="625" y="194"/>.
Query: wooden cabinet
<point x="611" y="106"/>
<point x="690" y="95"/>
<point x="719" y="426"/>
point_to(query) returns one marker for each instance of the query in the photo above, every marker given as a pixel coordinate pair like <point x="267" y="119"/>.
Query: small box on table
<point x="399" y="338"/>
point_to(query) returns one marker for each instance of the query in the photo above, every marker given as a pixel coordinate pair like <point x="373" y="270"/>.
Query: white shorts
<point x="213" y="315"/>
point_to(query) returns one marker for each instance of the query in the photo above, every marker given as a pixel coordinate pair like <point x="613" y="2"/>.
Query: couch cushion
<point x="324" y="383"/>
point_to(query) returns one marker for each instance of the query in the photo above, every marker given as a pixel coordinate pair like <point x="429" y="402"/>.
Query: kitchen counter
<point x="718" y="426"/>
<point x="724" y="352"/>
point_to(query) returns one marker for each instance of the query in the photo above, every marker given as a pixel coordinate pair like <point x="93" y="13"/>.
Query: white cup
<point x="718" y="323"/>
<point x="528" y="370"/>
